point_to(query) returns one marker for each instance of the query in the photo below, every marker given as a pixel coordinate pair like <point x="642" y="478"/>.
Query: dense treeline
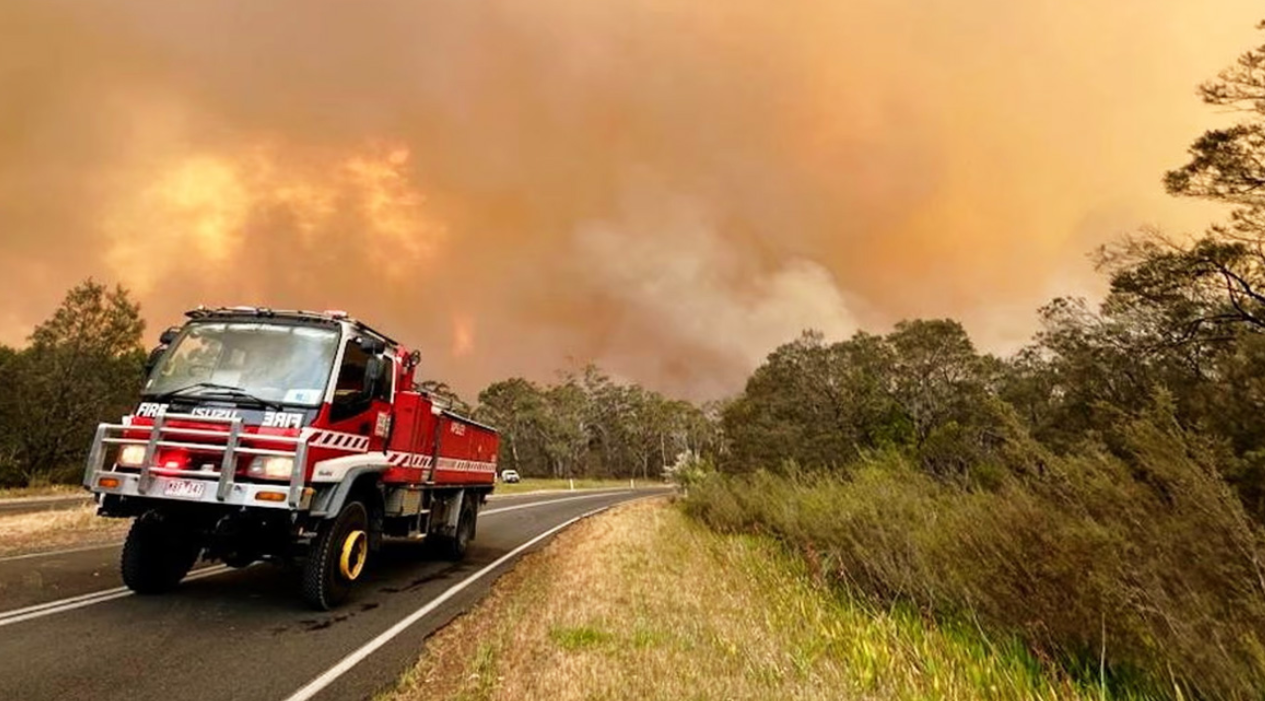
<point x="924" y="388"/>
<point x="588" y="425"/>
<point x="81" y="366"/>
<point x="1100" y="494"/>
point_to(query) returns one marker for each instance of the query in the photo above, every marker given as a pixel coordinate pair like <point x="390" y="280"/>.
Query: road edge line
<point x="68" y="551"/>
<point x="99" y="597"/>
<point x="329" y="676"/>
<point x="492" y="512"/>
<point x="14" y="613"/>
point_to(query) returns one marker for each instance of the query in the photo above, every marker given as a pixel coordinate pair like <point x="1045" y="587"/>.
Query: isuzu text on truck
<point x="286" y="436"/>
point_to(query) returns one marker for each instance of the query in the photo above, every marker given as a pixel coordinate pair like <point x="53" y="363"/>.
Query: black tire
<point x="454" y="547"/>
<point x="158" y="553"/>
<point x="326" y="583"/>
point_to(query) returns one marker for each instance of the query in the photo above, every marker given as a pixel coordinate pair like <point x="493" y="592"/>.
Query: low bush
<point x="1131" y="560"/>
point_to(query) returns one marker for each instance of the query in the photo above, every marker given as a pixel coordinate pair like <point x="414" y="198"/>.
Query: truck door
<point x="359" y="407"/>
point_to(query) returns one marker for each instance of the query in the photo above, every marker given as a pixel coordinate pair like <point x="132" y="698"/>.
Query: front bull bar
<point x="227" y="490"/>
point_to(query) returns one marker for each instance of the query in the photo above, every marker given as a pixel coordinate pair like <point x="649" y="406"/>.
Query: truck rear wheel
<point x="158" y="553"/>
<point x="337" y="558"/>
<point x="453" y="547"/>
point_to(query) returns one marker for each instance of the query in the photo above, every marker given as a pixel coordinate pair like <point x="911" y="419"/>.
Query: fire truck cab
<point x="287" y="436"/>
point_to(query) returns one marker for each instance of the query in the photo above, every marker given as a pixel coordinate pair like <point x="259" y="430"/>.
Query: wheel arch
<point x="357" y="474"/>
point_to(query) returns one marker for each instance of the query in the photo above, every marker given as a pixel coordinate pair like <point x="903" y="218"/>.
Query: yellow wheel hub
<point x="355" y="553"/>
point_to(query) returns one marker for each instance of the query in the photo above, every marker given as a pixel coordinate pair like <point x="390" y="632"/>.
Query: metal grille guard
<point x="160" y="434"/>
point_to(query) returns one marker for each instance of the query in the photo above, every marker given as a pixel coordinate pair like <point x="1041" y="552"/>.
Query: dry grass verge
<point x="47" y="490"/>
<point x="641" y="603"/>
<point x="50" y="530"/>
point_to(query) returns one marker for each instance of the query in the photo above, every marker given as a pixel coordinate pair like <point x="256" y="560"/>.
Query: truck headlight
<point x="131" y="455"/>
<point x="271" y="467"/>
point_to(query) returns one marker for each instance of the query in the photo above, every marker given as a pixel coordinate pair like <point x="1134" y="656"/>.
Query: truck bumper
<point x="196" y="486"/>
<point x="177" y="490"/>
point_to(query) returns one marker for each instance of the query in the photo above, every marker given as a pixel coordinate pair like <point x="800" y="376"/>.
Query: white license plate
<point x="185" y="489"/>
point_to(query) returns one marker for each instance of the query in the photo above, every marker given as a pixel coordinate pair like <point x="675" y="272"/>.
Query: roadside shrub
<point x="688" y="469"/>
<point x="1138" y="557"/>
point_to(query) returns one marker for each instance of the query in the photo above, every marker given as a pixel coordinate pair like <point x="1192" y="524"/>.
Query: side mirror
<point x="154" y="356"/>
<point x="169" y="335"/>
<point x="375" y="375"/>
<point x="372" y="346"/>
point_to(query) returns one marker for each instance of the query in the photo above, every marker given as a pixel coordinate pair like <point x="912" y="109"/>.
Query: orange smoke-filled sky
<point x="669" y="189"/>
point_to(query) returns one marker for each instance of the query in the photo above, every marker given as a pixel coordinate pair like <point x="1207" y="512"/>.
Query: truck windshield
<point x="282" y="363"/>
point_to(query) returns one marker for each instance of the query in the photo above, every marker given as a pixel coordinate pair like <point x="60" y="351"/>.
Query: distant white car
<point x="509" y="476"/>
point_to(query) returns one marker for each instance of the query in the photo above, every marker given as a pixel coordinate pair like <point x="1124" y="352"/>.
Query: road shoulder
<point x="50" y="531"/>
<point x="641" y="603"/>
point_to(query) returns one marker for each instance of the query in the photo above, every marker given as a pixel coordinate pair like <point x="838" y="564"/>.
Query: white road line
<point x="64" y="607"/>
<point x="75" y="602"/>
<point x="503" y="509"/>
<point x="537" y="492"/>
<point x="60" y="602"/>
<point x="51" y="553"/>
<point x="332" y="674"/>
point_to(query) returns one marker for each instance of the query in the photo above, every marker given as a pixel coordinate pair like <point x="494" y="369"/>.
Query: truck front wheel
<point x="337" y="558"/>
<point x="158" y="553"/>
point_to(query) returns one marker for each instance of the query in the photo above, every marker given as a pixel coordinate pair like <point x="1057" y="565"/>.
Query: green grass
<point x="890" y="652"/>
<point x="579" y="637"/>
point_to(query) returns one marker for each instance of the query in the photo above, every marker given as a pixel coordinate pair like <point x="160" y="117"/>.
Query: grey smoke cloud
<point x="669" y="188"/>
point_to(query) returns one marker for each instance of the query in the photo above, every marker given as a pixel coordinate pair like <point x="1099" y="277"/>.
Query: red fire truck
<point x="287" y="436"/>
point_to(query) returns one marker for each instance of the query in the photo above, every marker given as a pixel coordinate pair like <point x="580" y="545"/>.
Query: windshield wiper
<point x="239" y="393"/>
<point x="229" y="390"/>
<point x="196" y="385"/>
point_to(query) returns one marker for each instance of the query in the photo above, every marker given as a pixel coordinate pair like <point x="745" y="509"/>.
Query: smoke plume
<point x="668" y="188"/>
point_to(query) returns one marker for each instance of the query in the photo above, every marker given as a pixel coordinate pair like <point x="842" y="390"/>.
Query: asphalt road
<point x="9" y="507"/>
<point x="245" y="634"/>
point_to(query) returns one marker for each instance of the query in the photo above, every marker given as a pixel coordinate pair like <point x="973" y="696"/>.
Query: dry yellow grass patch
<point x="48" y="530"/>
<point x="642" y="604"/>
<point x="47" y="490"/>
